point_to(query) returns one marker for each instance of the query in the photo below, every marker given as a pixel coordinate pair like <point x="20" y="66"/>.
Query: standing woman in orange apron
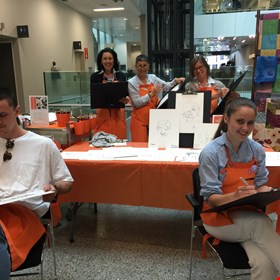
<point x="144" y="89"/>
<point x="111" y="121"/>
<point x="224" y="164"/>
<point x="201" y="80"/>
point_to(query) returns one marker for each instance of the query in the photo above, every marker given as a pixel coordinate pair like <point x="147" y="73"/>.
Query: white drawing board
<point x="164" y="128"/>
<point x="203" y="134"/>
<point x="191" y="109"/>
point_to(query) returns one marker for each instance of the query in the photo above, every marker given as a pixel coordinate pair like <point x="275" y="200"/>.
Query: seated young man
<point x="28" y="162"/>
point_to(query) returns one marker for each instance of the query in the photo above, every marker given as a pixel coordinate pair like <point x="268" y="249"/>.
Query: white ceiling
<point x="113" y="23"/>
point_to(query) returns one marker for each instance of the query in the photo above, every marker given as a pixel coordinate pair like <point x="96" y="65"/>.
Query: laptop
<point x="107" y="95"/>
<point x="221" y="107"/>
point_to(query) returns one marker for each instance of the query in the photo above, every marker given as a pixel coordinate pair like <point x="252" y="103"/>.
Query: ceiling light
<point x="108" y="9"/>
<point x="125" y="19"/>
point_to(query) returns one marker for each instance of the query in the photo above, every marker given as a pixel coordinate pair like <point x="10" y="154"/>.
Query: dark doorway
<point x="7" y="76"/>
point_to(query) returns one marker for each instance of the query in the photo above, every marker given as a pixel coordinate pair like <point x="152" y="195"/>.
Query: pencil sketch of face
<point x="190" y="112"/>
<point x="164" y="127"/>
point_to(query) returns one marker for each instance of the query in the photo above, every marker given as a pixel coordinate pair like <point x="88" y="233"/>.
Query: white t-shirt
<point x="36" y="161"/>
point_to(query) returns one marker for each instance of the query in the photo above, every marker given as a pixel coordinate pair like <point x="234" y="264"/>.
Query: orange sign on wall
<point x="86" y="53"/>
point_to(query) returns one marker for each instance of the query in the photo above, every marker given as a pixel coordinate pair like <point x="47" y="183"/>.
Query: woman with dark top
<point x="111" y="121"/>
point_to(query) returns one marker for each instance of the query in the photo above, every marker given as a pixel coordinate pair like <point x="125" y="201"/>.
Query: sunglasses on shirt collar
<point x="9" y="146"/>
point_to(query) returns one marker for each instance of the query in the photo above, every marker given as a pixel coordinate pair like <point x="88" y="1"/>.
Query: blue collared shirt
<point x="213" y="159"/>
<point x="196" y="85"/>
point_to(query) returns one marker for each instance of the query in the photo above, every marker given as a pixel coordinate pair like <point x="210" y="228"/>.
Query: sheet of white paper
<point x="73" y="155"/>
<point x="115" y="153"/>
<point x="190" y="108"/>
<point x="119" y="144"/>
<point x="164" y="128"/>
<point x="203" y="134"/>
<point x="272" y="159"/>
<point x="136" y="154"/>
<point x="189" y="156"/>
<point x="52" y="117"/>
<point x="20" y="197"/>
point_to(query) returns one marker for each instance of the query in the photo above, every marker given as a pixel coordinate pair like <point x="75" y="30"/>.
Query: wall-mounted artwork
<point x="266" y="94"/>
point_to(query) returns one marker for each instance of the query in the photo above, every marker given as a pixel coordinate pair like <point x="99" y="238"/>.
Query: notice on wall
<point x="39" y="111"/>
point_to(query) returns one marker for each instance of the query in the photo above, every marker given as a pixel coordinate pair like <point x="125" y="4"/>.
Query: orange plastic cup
<point x="86" y="126"/>
<point x="79" y="128"/>
<point x="62" y="119"/>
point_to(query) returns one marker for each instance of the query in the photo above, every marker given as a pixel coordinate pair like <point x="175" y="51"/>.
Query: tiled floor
<point x="128" y="243"/>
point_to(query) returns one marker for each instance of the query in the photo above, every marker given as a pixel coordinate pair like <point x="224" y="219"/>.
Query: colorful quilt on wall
<point x="267" y="89"/>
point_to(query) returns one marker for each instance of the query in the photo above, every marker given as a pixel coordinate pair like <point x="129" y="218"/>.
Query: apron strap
<point x="215" y="242"/>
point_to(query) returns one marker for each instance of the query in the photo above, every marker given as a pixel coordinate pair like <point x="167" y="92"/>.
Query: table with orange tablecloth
<point x="161" y="184"/>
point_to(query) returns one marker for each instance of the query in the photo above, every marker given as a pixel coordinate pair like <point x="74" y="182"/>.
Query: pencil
<point x="244" y="181"/>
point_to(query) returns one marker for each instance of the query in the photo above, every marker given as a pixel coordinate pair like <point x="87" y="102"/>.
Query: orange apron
<point x="214" y="102"/>
<point x="111" y="121"/>
<point x="140" y="117"/>
<point x="22" y="229"/>
<point x="233" y="171"/>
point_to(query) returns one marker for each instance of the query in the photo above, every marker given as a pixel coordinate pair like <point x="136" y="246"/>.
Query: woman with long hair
<point x="231" y="167"/>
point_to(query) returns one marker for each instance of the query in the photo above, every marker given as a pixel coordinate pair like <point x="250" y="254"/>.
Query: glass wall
<point x="71" y="90"/>
<point x="229" y="6"/>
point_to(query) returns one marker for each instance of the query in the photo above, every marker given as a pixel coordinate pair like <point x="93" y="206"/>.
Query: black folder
<point x="221" y="107"/>
<point x="259" y="200"/>
<point x="107" y="95"/>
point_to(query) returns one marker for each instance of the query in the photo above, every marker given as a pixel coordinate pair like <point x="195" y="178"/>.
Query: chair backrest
<point x="196" y="194"/>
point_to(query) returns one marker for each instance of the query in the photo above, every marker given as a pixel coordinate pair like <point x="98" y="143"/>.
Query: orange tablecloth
<point x="156" y="184"/>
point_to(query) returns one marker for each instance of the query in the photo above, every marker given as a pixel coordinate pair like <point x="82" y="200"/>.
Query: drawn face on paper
<point x="163" y="127"/>
<point x="190" y="112"/>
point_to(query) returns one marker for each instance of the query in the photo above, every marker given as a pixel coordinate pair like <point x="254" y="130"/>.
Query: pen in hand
<point x="244" y="181"/>
<point x="247" y="190"/>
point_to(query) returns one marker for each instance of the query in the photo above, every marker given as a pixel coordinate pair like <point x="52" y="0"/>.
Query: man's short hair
<point x="7" y="94"/>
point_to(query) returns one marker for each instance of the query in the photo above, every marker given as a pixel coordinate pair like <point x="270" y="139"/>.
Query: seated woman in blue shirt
<point x="222" y="163"/>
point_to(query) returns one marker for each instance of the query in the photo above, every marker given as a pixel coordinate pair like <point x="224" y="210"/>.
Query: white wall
<point x="134" y="52"/>
<point x="52" y="29"/>
<point x="121" y="50"/>
<point x="225" y="25"/>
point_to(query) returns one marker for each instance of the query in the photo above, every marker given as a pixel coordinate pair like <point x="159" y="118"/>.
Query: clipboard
<point x="163" y="103"/>
<point x="221" y="107"/>
<point x="186" y="140"/>
<point x="107" y="95"/>
<point x="259" y="200"/>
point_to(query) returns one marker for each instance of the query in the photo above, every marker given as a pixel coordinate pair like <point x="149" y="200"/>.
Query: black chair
<point x="231" y="255"/>
<point x="34" y="257"/>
